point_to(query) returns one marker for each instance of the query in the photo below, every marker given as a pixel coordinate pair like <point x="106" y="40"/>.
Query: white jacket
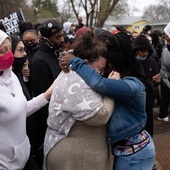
<point x="14" y="108"/>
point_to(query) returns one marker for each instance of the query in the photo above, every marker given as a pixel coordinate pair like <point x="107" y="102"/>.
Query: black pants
<point x="31" y="164"/>
<point x="165" y="101"/>
<point x="40" y="130"/>
<point x="149" y="123"/>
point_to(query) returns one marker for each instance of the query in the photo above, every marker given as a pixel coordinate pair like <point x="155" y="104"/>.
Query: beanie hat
<point x="115" y="31"/>
<point x="141" y="42"/>
<point x="3" y="36"/>
<point x="167" y="30"/>
<point x="15" y="40"/>
<point x="47" y="26"/>
<point x="82" y="30"/>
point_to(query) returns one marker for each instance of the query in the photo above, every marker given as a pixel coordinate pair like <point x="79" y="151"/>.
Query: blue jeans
<point x="141" y="160"/>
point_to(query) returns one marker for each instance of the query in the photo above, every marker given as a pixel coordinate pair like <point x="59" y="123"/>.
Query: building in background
<point x="130" y="23"/>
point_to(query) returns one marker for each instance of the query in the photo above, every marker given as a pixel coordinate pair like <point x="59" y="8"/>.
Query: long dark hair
<point x="122" y="59"/>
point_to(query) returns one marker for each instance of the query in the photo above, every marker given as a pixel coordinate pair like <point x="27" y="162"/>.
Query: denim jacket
<point x="129" y="115"/>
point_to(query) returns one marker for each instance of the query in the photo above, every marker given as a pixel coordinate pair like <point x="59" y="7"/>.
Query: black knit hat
<point x="15" y="40"/>
<point x="47" y="26"/>
<point x="142" y="43"/>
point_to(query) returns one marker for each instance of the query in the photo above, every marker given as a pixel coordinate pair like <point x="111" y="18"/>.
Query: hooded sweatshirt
<point x="14" y="143"/>
<point x="149" y="64"/>
<point x="66" y="27"/>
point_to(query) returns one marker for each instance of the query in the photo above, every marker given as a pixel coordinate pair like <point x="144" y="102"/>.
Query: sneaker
<point x="154" y="167"/>
<point x="166" y="119"/>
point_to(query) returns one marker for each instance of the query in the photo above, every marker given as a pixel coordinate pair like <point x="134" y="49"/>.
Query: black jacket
<point x="150" y="67"/>
<point x="44" y="70"/>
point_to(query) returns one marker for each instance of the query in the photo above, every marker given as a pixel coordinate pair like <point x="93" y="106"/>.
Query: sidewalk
<point x="162" y="142"/>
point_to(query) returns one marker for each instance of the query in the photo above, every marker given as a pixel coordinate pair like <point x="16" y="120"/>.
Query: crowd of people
<point x="73" y="97"/>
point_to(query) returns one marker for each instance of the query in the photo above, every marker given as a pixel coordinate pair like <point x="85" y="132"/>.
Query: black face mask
<point x="18" y="63"/>
<point x="168" y="47"/>
<point x="30" y="46"/>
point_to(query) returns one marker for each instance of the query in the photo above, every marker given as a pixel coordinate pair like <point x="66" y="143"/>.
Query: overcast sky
<point x="140" y="5"/>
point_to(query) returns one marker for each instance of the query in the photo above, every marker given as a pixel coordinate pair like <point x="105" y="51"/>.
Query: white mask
<point x="141" y="58"/>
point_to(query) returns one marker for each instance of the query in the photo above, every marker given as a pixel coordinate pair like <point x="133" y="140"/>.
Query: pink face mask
<point x="6" y="60"/>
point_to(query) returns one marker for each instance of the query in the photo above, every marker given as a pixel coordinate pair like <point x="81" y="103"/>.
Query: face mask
<point x="141" y="58"/>
<point x="168" y="47"/>
<point x="19" y="62"/>
<point x="30" y="46"/>
<point x="6" y="60"/>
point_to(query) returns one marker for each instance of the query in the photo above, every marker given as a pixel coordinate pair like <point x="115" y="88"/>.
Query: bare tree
<point x="9" y="6"/>
<point x="121" y="9"/>
<point x="96" y="11"/>
<point x="105" y="9"/>
<point x="66" y="11"/>
<point x="154" y="13"/>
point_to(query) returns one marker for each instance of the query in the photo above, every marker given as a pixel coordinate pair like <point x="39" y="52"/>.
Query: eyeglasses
<point x="21" y="50"/>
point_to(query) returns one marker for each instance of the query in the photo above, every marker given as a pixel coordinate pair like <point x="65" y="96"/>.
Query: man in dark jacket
<point x="143" y="51"/>
<point x="45" y="69"/>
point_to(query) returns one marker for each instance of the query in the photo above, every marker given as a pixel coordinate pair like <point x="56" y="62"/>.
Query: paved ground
<point x="162" y="142"/>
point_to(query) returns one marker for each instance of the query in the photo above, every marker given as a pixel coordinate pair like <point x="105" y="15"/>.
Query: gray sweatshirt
<point x="165" y="62"/>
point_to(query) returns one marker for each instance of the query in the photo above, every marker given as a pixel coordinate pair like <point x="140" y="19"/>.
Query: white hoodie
<point x="14" y="143"/>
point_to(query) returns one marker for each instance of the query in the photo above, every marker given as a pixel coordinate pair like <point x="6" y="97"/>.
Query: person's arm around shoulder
<point x="102" y="117"/>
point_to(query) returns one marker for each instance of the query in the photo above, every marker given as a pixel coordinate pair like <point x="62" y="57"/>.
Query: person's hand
<point x="80" y="19"/>
<point x="157" y="78"/>
<point x="64" y="59"/>
<point x="25" y="70"/>
<point x="49" y="91"/>
<point x="114" y="75"/>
